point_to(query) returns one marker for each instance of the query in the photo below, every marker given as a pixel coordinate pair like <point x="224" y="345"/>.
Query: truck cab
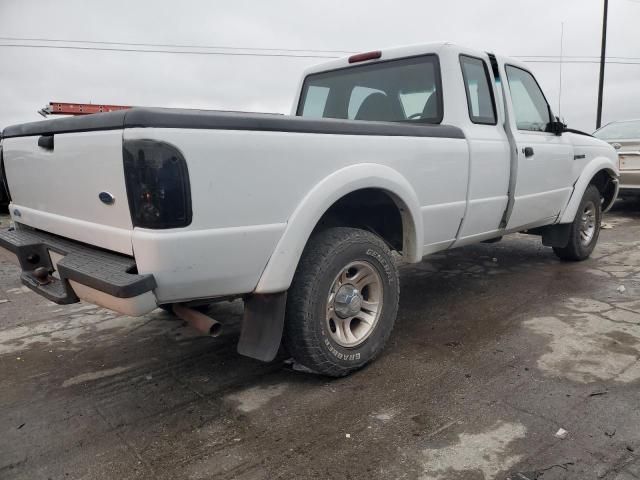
<point x="521" y="167"/>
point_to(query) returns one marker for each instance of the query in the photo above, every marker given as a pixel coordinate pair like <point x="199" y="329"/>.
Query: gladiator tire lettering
<point x="383" y="261"/>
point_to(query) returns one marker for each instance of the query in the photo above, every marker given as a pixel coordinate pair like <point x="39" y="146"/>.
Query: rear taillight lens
<point x="157" y="183"/>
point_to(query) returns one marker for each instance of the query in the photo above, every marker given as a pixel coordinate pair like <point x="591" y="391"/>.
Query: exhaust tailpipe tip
<point x="216" y="329"/>
<point x="197" y="320"/>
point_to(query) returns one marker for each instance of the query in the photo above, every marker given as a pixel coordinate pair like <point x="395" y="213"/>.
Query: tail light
<point x="157" y="182"/>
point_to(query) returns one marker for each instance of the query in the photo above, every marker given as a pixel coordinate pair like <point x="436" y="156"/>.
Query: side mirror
<point x="557" y="126"/>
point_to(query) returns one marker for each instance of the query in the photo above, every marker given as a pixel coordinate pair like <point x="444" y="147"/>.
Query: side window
<point x="529" y="105"/>
<point x="480" y="101"/>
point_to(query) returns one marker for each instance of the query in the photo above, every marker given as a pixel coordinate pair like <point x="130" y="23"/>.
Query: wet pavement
<point x="497" y="350"/>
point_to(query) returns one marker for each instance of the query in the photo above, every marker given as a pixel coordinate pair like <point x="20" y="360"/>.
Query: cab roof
<point x="406" y="51"/>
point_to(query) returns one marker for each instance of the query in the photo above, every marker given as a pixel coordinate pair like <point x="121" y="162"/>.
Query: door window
<point x="477" y="83"/>
<point x="529" y="105"/>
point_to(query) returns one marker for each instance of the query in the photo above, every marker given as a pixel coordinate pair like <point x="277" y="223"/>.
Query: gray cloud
<point x="30" y="78"/>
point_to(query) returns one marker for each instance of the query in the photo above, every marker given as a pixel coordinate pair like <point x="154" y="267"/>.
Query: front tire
<point x="585" y="229"/>
<point x="343" y="301"/>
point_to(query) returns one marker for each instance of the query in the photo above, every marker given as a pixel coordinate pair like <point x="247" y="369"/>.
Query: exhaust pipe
<point x="201" y="322"/>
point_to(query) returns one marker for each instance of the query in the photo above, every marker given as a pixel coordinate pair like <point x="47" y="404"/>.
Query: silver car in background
<point x="624" y="136"/>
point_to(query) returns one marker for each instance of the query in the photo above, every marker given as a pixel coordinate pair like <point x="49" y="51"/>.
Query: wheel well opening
<point x="369" y="209"/>
<point x="603" y="181"/>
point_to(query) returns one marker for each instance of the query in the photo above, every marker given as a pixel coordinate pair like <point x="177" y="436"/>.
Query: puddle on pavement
<point x="97" y="375"/>
<point x="73" y="328"/>
<point x="256" y="397"/>
<point x="593" y="341"/>
<point x="481" y="455"/>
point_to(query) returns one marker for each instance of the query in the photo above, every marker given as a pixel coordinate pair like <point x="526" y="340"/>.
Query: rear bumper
<point x="630" y="182"/>
<point x="65" y="271"/>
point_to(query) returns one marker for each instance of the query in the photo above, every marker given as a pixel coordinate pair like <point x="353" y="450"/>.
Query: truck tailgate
<point x="58" y="189"/>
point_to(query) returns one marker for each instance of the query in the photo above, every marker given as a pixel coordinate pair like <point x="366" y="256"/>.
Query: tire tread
<point x="573" y="251"/>
<point x="299" y="338"/>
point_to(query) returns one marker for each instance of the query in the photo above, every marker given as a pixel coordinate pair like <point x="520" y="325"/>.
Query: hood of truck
<point x="586" y="140"/>
<point x="592" y="147"/>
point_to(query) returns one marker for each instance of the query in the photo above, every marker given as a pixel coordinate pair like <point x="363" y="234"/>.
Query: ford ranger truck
<point x="413" y="150"/>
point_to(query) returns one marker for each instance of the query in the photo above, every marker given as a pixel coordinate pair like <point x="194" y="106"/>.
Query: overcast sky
<point x="31" y="77"/>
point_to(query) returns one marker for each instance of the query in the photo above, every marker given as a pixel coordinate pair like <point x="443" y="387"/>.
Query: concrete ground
<point x="497" y="348"/>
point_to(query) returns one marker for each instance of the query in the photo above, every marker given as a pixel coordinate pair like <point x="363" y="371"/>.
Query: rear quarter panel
<point x="245" y="186"/>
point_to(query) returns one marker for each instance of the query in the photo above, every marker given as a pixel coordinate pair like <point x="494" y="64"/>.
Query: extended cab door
<point x="489" y="150"/>
<point x="543" y="179"/>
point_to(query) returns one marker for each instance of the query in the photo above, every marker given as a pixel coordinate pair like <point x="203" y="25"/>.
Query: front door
<point x="543" y="184"/>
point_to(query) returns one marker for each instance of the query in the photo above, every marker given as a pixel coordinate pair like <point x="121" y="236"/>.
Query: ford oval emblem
<point x="106" y="198"/>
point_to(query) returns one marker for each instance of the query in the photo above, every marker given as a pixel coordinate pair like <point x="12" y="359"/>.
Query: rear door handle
<point x="528" y="151"/>
<point x="46" y="142"/>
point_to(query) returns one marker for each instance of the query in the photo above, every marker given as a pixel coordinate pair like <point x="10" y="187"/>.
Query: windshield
<point x="619" y="131"/>
<point x="392" y="91"/>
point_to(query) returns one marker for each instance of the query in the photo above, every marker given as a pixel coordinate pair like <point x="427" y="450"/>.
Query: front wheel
<point x="585" y="228"/>
<point x="343" y="301"/>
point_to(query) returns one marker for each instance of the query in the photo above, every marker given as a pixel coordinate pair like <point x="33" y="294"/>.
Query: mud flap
<point x="553" y="235"/>
<point x="262" y="326"/>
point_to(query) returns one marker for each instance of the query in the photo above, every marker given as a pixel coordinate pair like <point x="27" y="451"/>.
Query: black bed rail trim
<point x="216" y="120"/>
<point x="85" y="123"/>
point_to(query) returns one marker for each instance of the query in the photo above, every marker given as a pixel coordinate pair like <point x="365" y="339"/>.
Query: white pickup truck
<point x="414" y="150"/>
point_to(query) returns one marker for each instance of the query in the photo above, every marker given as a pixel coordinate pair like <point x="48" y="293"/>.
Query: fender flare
<point x="282" y="264"/>
<point x="580" y="186"/>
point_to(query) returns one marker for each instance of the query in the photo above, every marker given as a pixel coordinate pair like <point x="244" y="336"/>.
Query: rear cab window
<point x="477" y="83"/>
<point x="404" y="90"/>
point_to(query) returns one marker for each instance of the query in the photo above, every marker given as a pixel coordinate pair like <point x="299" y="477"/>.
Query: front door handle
<point x="528" y="151"/>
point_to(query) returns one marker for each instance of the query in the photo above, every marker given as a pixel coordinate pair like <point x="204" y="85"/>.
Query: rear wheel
<point x="343" y="301"/>
<point x="585" y="228"/>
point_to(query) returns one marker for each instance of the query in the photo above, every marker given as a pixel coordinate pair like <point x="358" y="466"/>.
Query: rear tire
<point x="342" y="303"/>
<point x="585" y="228"/>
